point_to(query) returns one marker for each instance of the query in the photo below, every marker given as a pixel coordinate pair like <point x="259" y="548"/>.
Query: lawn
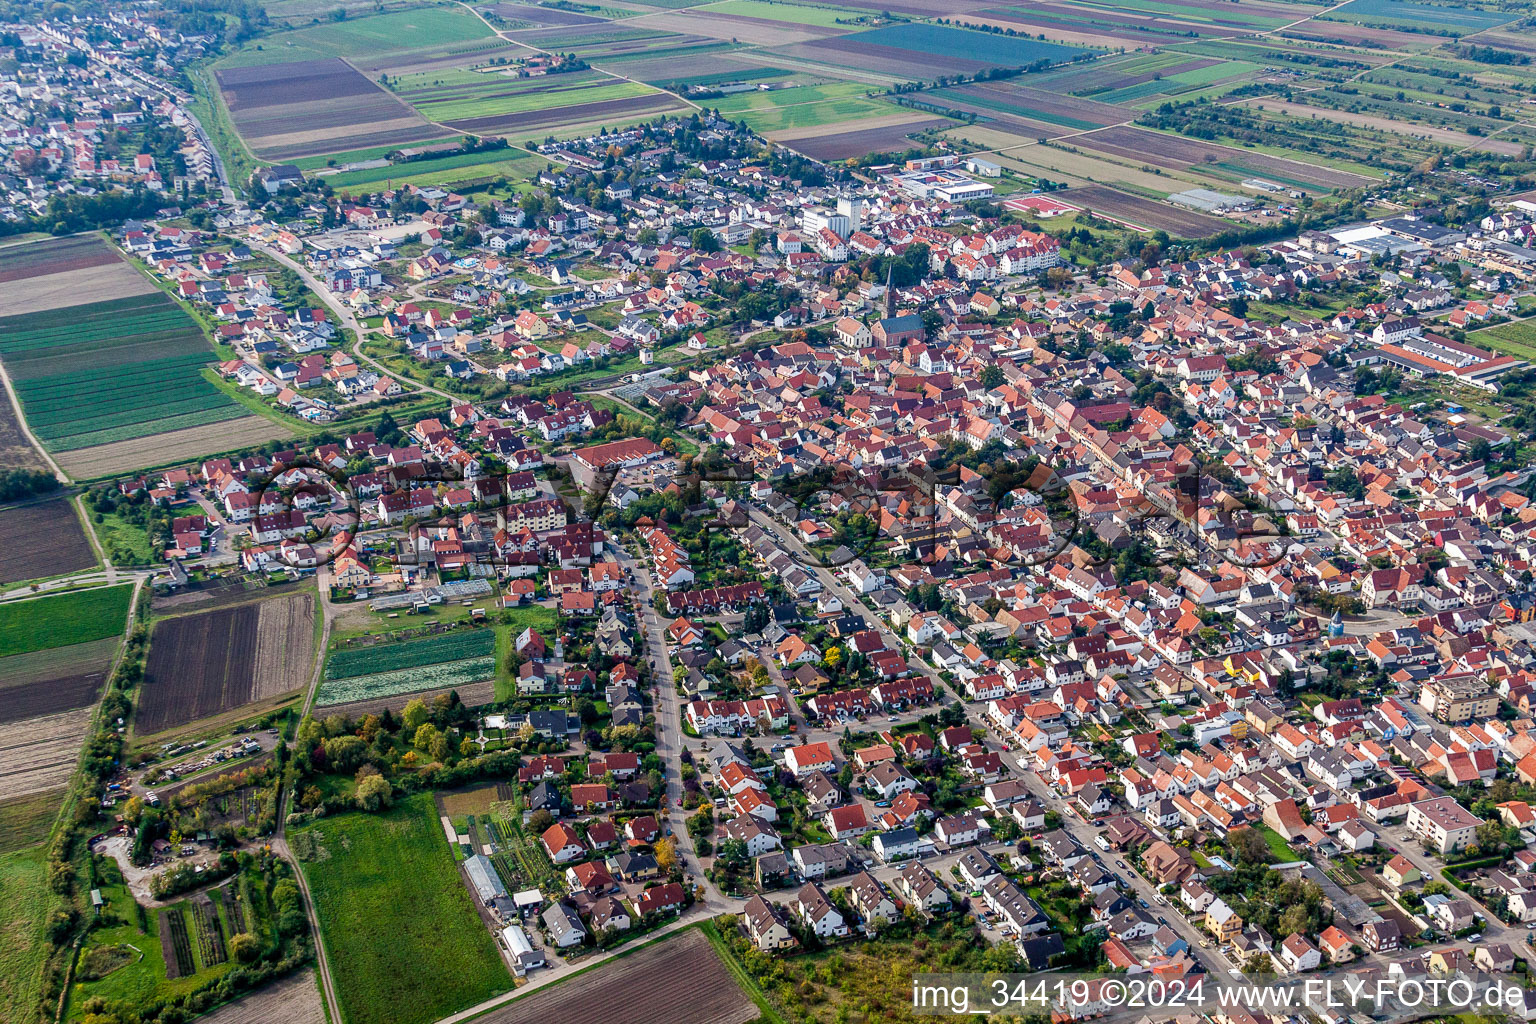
<point x="1277" y="844"/>
<point x="23" y="935"/>
<point x="400" y="928"/>
<point x="42" y="623"/>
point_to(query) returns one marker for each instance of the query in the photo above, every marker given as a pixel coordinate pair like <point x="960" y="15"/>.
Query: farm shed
<point x="524" y="956"/>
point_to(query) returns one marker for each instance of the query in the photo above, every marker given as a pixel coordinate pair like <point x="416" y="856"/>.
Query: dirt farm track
<point x="641" y="988"/>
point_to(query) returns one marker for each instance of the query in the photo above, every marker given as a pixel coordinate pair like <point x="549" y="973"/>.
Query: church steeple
<point x="890" y="295"/>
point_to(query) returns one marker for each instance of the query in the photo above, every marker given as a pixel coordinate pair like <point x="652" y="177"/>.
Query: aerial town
<point x="677" y="553"/>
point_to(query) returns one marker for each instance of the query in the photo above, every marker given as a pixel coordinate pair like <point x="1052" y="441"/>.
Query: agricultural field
<point x="777" y="10"/>
<point x="149" y="346"/>
<point x="54" y="655"/>
<point x="913" y="50"/>
<point x="650" y="103"/>
<point x="26" y="821"/>
<point x="644" y="983"/>
<point x="291" y="1000"/>
<point x="401" y="933"/>
<point x="1516" y="339"/>
<point x="55" y="680"/>
<point x="397" y="34"/>
<point x="170" y="447"/>
<point x="205" y="663"/>
<point x="304" y="108"/>
<point x="512" y="164"/>
<point x="42" y="623"/>
<point x="840" y="141"/>
<point x="15" y="450"/>
<point x="42" y="539"/>
<point x="803" y="106"/>
<point x="1144" y="214"/>
<point x="1171" y="151"/>
<point x="1445" y="18"/>
<point x="366" y="659"/>
<point x="448" y="96"/>
<point x="39" y="754"/>
<point x="59" y="270"/>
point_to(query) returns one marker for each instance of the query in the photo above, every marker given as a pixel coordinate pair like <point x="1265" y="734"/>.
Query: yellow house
<point x="1223" y="922"/>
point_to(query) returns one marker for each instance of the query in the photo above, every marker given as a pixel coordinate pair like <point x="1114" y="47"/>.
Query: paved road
<point x="350" y="322"/>
<point x="1079" y="829"/>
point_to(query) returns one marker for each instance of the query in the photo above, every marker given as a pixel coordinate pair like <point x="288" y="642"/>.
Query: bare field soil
<point x="55" y="256"/>
<point x="203" y="598"/>
<point x="172" y="446"/>
<point x="15" y="450"/>
<point x="1172" y="151"/>
<point x="43" y="539"/>
<point x="94" y="283"/>
<point x="578" y="113"/>
<point x="291" y="1000"/>
<point x="285" y="645"/>
<point x="641" y="988"/>
<point x="210" y="662"/>
<point x="1143" y="212"/>
<point x="834" y="144"/>
<point x="1448" y="136"/>
<point x="40" y="753"/>
<point x="52" y="681"/>
<point x="473" y="695"/>
<point x="287" y="110"/>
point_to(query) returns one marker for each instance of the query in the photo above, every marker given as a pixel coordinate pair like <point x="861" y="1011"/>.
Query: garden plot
<point x="447" y="661"/>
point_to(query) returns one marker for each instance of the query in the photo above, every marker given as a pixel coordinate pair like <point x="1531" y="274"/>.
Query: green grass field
<point x="23" y="934"/>
<point x="803" y="106"/>
<point x="489" y="101"/>
<point x="417" y="28"/>
<point x="400" y="929"/>
<point x="794" y="14"/>
<point x="42" y="623"/>
<point x="443" y="170"/>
